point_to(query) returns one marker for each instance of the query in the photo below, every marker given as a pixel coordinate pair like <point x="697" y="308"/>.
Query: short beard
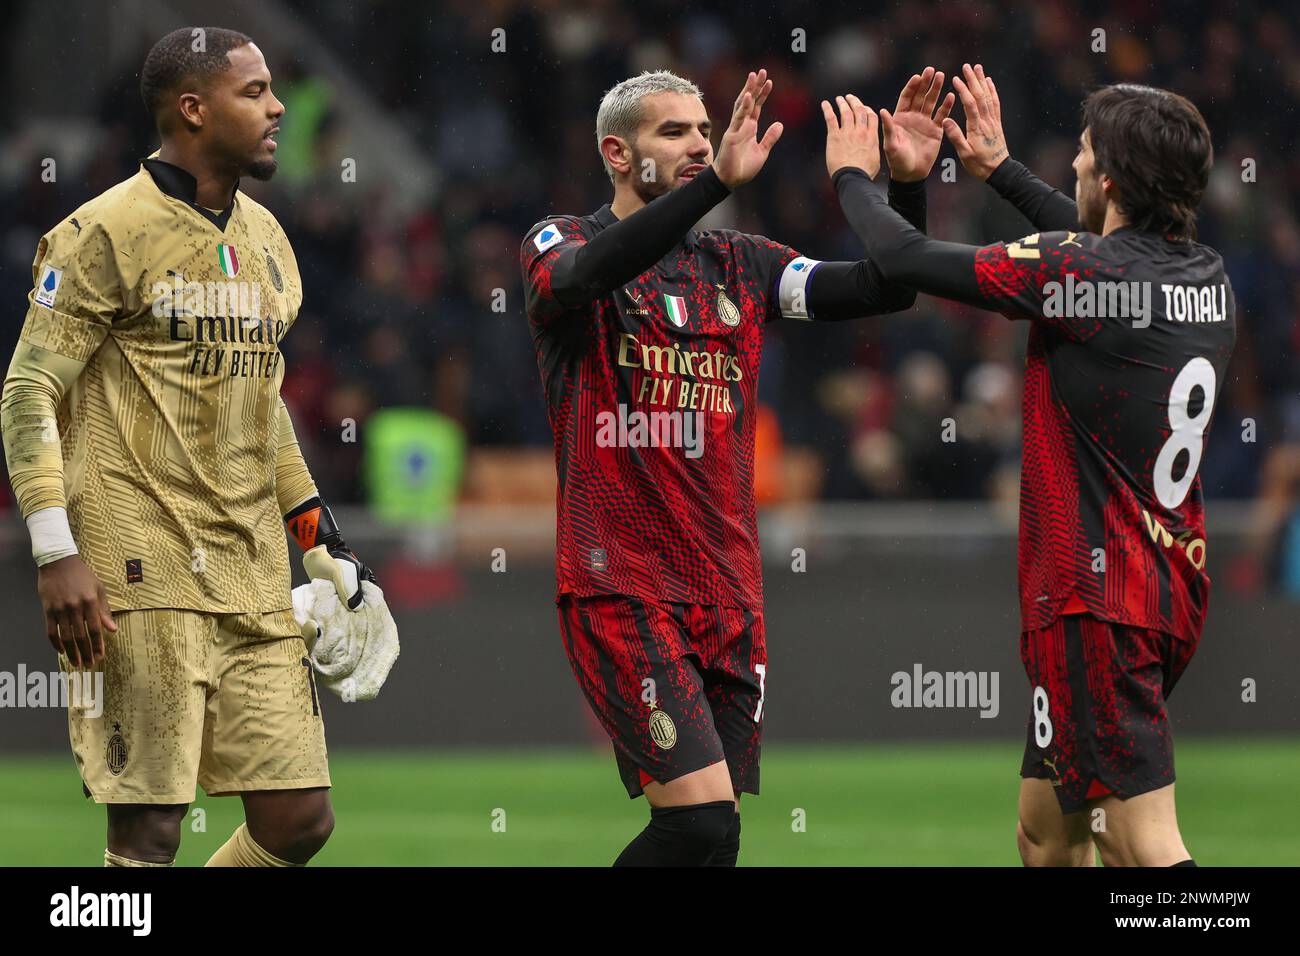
<point x="646" y="191"/>
<point x="1092" y="211"/>
<point x="263" y="169"/>
<point x="1092" y="218"/>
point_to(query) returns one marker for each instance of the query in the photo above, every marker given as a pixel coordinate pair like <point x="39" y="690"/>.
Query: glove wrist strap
<point x="312" y="523"/>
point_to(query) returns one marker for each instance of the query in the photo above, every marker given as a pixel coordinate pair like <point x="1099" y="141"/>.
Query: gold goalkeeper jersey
<point x="144" y="393"/>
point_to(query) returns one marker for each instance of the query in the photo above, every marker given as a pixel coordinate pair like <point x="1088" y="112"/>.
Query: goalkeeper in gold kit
<point x="154" y="460"/>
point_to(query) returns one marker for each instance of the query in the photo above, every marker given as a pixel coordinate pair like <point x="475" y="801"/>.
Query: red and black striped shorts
<point x="677" y="687"/>
<point x="1097" y="721"/>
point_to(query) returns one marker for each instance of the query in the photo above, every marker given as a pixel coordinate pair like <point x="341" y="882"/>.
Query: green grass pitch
<point x="896" y="805"/>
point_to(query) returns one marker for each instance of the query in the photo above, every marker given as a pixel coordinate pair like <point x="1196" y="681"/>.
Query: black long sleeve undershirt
<point x="850" y="290"/>
<point x="1049" y="209"/>
<point x="621" y="252"/>
<point x="902" y="253"/>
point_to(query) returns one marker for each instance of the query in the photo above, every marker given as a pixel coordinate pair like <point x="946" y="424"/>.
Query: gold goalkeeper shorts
<point x="227" y="701"/>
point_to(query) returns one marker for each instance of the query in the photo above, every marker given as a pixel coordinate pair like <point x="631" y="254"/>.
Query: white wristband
<point x="51" y="535"/>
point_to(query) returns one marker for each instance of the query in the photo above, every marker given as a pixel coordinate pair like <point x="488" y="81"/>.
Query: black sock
<point x="729" y="848"/>
<point x="680" y="836"/>
<point x="1186" y="863"/>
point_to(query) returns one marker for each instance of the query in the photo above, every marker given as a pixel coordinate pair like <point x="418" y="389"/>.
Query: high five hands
<point x="983" y="147"/>
<point x="742" y="154"/>
<point x="852" y="138"/>
<point x="913" y="132"/>
<point x="916" y="129"/>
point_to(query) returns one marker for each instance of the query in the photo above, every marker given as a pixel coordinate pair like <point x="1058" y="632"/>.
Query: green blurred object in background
<point x="414" y="460"/>
<point x="307" y="102"/>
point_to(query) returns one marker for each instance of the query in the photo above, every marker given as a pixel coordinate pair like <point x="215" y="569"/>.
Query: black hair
<point x="184" y="58"/>
<point x="1155" y="146"/>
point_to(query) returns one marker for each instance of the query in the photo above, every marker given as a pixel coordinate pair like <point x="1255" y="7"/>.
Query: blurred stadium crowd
<point x="399" y="304"/>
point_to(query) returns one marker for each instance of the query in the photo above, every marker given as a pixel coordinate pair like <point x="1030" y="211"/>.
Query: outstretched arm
<point x="852" y="158"/>
<point x="982" y="150"/>
<point x="583" y="270"/>
<point x="1022" y="279"/>
<point x="902" y="253"/>
<point x="913" y="134"/>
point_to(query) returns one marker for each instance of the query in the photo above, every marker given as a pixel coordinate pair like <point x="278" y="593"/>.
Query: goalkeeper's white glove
<point x="351" y="651"/>
<point x="326" y="556"/>
<point x="349" y="632"/>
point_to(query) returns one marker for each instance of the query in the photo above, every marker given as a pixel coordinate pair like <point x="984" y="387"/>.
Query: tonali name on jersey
<point x="1116" y="410"/>
<point x="648" y="518"/>
<point x="1191" y="303"/>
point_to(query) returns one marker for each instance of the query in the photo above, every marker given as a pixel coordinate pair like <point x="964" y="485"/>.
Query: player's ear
<point x="191" y="109"/>
<point x="617" y="152"/>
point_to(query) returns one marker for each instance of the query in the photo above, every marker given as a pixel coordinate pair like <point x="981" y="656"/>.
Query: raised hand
<point x="983" y="147"/>
<point x="914" y="131"/>
<point x="852" y="139"/>
<point x="742" y="154"/>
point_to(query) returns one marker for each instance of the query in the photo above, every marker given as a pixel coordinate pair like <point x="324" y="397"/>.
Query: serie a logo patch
<point x="134" y="571"/>
<point x="550" y="236"/>
<point x="47" y="287"/>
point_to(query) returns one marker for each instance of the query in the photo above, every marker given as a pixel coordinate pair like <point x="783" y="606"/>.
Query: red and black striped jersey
<point x="651" y="390"/>
<point x="1131" y="338"/>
